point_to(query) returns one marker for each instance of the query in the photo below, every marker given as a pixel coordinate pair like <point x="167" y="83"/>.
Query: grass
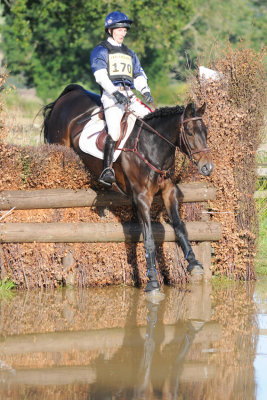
<point x="22" y="122"/>
<point x="6" y="286"/>
<point x="219" y="282"/>
<point x="261" y="258"/>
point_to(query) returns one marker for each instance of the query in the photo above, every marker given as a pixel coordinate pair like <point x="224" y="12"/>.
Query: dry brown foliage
<point x="235" y="118"/>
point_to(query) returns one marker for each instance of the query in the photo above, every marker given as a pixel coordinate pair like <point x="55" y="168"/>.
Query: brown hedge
<point x="235" y="117"/>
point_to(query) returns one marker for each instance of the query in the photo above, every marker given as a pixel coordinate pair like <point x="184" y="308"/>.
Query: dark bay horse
<point x="144" y="168"/>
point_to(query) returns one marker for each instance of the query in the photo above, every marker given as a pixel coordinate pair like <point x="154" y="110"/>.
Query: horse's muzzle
<point x="206" y="168"/>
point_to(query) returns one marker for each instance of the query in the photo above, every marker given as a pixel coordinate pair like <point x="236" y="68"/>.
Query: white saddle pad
<point x="87" y="141"/>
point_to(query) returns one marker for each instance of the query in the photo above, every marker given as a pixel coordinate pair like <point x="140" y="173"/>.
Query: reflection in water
<point x="172" y="372"/>
<point x="260" y="361"/>
<point x="112" y="343"/>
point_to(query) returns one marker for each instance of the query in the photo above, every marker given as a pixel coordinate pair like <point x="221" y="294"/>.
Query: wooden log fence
<point x="204" y="231"/>
<point x="63" y="198"/>
<point x="96" y="232"/>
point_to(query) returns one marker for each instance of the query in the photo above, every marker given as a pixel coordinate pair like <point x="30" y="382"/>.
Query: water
<point x="260" y="361"/>
<point x="202" y="342"/>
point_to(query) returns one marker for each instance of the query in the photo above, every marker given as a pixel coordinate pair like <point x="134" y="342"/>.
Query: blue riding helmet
<point x="117" y="19"/>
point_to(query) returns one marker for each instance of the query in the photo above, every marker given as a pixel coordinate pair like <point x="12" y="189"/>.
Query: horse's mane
<point x="164" y="112"/>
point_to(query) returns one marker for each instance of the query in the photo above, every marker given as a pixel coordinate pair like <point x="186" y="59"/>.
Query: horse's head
<point x="193" y="138"/>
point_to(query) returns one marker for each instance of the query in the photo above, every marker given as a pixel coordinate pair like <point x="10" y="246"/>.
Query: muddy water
<point x="202" y="342"/>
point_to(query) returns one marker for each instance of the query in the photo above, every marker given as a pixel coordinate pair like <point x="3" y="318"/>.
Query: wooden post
<point x="203" y="254"/>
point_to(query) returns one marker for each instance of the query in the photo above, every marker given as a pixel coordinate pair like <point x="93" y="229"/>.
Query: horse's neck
<point x="168" y="128"/>
<point x="162" y="139"/>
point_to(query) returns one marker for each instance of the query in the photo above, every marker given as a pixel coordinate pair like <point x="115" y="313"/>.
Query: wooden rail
<point x="62" y="198"/>
<point x="83" y="232"/>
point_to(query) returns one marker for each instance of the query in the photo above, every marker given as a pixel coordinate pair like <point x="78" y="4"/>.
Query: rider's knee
<point x="114" y="134"/>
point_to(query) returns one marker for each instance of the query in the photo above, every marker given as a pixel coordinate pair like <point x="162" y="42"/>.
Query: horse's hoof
<point x="197" y="324"/>
<point x="152" y="285"/>
<point x="195" y="268"/>
<point x="197" y="271"/>
<point x="155" y="296"/>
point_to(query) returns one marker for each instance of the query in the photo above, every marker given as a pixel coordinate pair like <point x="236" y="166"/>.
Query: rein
<point x="183" y="138"/>
<point x="165" y="173"/>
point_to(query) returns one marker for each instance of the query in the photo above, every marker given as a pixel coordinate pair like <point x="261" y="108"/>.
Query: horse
<point x="146" y="163"/>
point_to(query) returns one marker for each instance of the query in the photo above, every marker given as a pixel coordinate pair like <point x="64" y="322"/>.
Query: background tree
<point x="214" y="22"/>
<point x="49" y="42"/>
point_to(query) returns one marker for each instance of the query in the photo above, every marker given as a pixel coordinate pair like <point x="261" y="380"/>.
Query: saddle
<point x="91" y="132"/>
<point x="102" y="135"/>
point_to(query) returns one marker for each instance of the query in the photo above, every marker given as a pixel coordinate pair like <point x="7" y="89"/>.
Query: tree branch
<point x="191" y="23"/>
<point x="8" y="3"/>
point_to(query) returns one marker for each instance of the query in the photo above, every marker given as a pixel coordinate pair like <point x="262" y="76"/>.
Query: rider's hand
<point x="121" y="99"/>
<point x="148" y="98"/>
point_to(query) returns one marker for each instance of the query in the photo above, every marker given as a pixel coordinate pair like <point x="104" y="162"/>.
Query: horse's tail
<point x="47" y="110"/>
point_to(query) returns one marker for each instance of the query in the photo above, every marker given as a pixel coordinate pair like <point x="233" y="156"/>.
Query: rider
<point x="117" y="70"/>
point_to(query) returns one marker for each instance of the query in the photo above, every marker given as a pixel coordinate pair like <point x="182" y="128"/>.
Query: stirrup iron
<point x="102" y="179"/>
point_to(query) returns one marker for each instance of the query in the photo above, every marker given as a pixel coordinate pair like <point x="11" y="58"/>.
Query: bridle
<point x="184" y="138"/>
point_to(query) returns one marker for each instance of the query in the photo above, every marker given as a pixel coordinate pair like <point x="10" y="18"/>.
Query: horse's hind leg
<point x="143" y="205"/>
<point x="170" y="195"/>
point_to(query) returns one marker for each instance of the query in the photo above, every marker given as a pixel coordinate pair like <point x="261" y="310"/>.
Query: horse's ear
<point x="201" y="110"/>
<point x="190" y="110"/>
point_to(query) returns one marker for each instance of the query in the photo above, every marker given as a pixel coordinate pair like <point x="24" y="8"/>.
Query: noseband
<point x="184" y="138"/>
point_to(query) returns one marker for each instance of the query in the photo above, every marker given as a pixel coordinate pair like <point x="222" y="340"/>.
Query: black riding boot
<point x="107" y="176"/>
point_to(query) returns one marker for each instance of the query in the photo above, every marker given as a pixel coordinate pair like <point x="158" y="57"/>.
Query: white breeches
<point x="114" y="112"/>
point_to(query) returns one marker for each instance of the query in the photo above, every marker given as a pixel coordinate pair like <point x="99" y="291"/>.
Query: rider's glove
<point x="148" y="98"/>
<point x="121" y="99"/>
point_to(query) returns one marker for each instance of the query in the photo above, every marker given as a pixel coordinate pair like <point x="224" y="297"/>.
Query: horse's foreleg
<point x="143" y="205"/>
<point x="170" y="195"/>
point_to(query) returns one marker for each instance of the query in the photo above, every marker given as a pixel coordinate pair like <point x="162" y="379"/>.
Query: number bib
<point x="120" y="66"/>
